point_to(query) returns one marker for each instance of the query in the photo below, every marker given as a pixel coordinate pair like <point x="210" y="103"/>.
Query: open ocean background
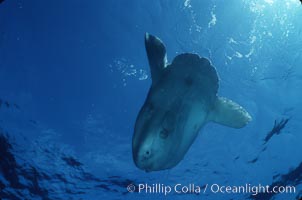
<point x="74" y="74"/>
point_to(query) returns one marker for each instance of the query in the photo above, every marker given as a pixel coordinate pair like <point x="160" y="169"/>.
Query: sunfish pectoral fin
<point x="156" y="52"/>
<point x="229" y="113"/>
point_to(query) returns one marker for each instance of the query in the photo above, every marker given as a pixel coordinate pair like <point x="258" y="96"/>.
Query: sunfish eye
<point x="164" y="133"/>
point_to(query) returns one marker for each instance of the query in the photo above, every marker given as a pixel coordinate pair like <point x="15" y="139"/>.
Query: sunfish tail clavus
<point x="181" y="100"/>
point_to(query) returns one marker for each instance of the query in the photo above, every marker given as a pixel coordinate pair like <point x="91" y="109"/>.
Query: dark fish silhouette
<point x="1" y="1"/>
<point x="276" y="130"/>
<point x="278" y="126"/>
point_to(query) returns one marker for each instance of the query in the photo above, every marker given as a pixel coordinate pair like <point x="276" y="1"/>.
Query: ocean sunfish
<point x="181" y="100"/>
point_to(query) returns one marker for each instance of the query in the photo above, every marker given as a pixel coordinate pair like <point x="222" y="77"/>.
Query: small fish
<point x="253" y="161"/>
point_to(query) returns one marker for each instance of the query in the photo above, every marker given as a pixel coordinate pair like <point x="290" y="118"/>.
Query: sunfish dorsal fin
<point x="229" y="113"/>
<point x="156" y="52"/>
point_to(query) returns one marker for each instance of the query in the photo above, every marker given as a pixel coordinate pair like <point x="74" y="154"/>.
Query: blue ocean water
<point x="74" y="74"/>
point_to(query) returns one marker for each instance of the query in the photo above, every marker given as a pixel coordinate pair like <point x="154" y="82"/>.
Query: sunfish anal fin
<point x="229" y="113"/>
<point x="156" y="52"/>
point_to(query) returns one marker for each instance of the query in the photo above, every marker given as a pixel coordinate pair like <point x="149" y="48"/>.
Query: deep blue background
<point x="79" y="70"/>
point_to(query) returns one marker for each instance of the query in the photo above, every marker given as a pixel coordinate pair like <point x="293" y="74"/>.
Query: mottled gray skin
<point x="179" y="103"/>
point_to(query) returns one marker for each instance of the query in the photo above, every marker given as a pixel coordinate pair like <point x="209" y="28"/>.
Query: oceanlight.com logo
<point x="192" y="188"/>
